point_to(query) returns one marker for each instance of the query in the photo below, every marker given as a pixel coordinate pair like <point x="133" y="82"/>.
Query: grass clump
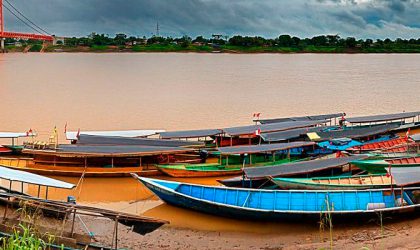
<point x="24" y="237"/>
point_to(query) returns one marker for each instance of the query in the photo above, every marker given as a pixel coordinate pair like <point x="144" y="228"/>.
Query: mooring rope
<point x="80" y="183"/>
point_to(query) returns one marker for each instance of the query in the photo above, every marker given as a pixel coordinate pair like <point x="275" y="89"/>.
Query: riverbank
<point x="395" y="235"/>
<point x="210" y="49"/>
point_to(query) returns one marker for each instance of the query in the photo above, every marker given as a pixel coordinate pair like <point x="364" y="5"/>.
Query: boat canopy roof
<point x="190" y="133"/>
<point x="6" y="135"/>
<point x="382" y="118"/>
<point x="74" y="150"/>
<point x="356" y="132"/>
<point x="252" y="149"/>
<point x="289" y="134"/>
<point x="301" y="118"/>
<point x="117" y="140"/>
<point x="272" y="127"/>
<point x="25" y="177"/>
<point x="72" y="135"/>
<point x="297" y="168"/>
<point x="404" y="176"/>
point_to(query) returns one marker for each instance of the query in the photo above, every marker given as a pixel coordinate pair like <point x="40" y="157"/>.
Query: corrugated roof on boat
<point x="404" y="176"/>
<point x="272" y="127"/>
<point x="262" y="148"/>
<point x="382" y="118"/>
<point x="288" y="134"/>
<point x="301" y="118"/>
<point x="7" y="135"/>
<point x="74" y="150"/>
<point x="118" y="149"/>
<point x="72" y="135"/>
<point x="22" y="176"/>
<point x="296" y="168"/>
<point x="357" y="132"/>
<point x="190" y="133"/>
<point x="114" y="140"/>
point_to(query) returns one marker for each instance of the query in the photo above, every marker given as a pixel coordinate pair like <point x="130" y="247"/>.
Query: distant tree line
<point x="246" y="41"/>
<point x="282" y="41"/>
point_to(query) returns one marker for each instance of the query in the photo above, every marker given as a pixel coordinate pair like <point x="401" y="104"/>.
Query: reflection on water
<point x="190" y="91"/>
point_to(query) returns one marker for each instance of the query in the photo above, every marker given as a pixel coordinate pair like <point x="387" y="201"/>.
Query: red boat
<point x="383" y="145"/>
<point x="4" y="150"/>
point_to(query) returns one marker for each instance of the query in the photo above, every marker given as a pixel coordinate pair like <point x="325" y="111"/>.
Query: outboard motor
<point x="71" y="199"/>
<point x="203" y="155"/>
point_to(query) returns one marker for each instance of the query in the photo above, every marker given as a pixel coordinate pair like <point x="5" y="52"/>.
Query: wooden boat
<point x="247" y="154"/>
<point x="283" y="204"/>
<point x="16" y="149"/>
<point x="335" y="183"/>
<point x="199" y="170"/>
<point x="257" y="177"/>
<point x="79" y="171"/>
<point x="381" y="145"/>
<point x="210" y="169"/>
<point x="99" y="160"/>
<point x="5" y="150"/>
<point x="380" y="166"/>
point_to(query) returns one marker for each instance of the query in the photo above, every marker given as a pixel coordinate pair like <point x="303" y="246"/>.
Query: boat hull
<point x="88" y="172"/>
<point x="309" y="184"/>
<point x="210" y="169"/>
<point x="181" y="200"/>
<point x="381" y="166"/>
<point x="183" y="173"/>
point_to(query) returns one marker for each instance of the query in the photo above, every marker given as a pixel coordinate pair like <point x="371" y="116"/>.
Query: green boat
<point x="237" y="159"/>
<point x="211" y="169"/>
<point x="16" y="149"/>
<point x="335" y="183"/>
<point x="380" y="166"/>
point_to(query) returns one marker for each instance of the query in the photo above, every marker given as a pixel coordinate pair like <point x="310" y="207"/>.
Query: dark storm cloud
<point x="361" y="18"/>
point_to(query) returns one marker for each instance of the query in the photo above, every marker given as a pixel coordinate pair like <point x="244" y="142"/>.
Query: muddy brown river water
<point x="190" y="91"/>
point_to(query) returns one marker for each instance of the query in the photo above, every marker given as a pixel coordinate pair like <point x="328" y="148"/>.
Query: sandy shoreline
<point x="395" y="235"/>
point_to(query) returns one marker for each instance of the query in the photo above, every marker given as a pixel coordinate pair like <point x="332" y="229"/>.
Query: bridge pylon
<point x="17" y="35"/>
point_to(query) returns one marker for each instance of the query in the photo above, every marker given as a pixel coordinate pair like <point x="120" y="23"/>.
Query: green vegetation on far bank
<point x="223" y="44"/>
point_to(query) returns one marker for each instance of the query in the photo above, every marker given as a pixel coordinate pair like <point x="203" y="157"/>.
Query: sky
<point x="377" y="19"/>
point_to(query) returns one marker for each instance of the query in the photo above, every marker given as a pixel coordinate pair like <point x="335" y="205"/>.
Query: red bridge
<point x="43" y="35"/>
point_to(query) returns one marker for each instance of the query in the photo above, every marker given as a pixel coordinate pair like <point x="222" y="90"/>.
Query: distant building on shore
<point x="58" y="40"/>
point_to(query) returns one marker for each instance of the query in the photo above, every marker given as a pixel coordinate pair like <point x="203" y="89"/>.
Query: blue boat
<point x="280" y="204"/>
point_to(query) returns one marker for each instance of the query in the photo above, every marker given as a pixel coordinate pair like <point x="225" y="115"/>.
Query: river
<point x="190" y="91"/>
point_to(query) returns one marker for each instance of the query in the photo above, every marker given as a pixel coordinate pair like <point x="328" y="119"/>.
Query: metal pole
<point x="1" y="21"/>
<point x="74" y="219"/>
<point x="116" y="232"/>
